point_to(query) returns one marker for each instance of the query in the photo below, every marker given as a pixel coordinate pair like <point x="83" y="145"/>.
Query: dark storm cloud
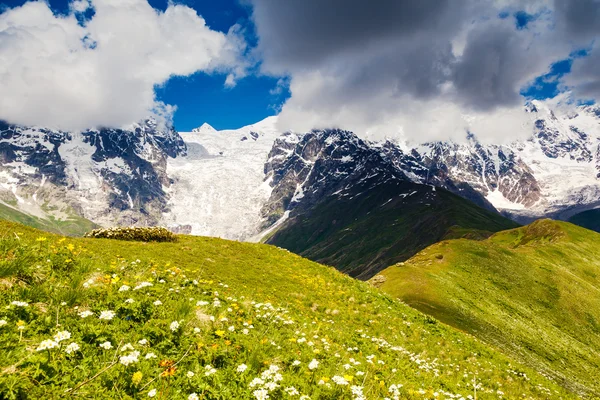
<point x="584" y="78"/>
<point x="492" y="68"/>
<point x="580" y="19"/>
<point x="360" y="61"/>
<point x="296" y="33"/>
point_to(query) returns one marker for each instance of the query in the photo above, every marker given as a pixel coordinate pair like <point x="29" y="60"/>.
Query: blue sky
<point x="204" y="98"/>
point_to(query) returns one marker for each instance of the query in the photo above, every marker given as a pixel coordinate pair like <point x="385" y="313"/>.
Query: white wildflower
<point x="291" y="391"/>
<point x="150" y="355"/>
<point x="209" y="370"/>
<point x="339" y="380"/>
<point x="142" y="285"/>
<point x="124" y="288"/>
<point x="174" y="326"/>
<point x="126" y="346"/>
<point x="261" y="394"/>
<point x="47" y="345"/>
<point x="86" y="313"/>
<point x="106" y="345"/>
<point x="157" y="303"/>
<point x="129" y="359"/>
<point x="152" y="393"/>
<point x="73" y="347"/>
<point x="63" y="335"/>
<point x="314" y="364"/>
<point x="107" y="315"/>
<point x="242" y="368"/>
<point x="190" y="374"/>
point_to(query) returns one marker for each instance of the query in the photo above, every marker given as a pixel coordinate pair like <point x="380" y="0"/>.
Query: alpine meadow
<point x="300" y="199"/>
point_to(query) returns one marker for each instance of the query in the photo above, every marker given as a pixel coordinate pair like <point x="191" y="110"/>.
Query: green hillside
<point x="205" y="318"/>
<point x="534" y="292"/>
<point x="589" y="219"/>
<point x="74" y="226"/>
<point x="363" y="234"/>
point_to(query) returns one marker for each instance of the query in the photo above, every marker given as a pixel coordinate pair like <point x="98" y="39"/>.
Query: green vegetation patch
<point x="534" y="292"/>
<point x="73" y="226"/>
<point x="205" y="318"/>
<point x="366" y="233"/>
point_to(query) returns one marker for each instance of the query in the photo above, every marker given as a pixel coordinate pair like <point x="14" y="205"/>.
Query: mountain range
<point x="253" y="183"/>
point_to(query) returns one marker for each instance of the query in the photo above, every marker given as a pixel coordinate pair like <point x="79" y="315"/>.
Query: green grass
<point x="534" y="292"/>
<point x="361" y="237"/>
<point x="293" y="309"/>
<point x="73" y="226"/>
<point x="589" y="219"/>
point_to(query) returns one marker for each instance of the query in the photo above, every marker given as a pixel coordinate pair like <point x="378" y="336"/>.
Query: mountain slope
<point x="237" y="183"/>
<point x="109" y="176"/>
<point x="363" y="234"/>
<point x="73" y="225"/>
<point x="347" y="205"/>
<point x="226" y="313"/>
<point x="532" y="291"/>
<point x="589" y="219"/>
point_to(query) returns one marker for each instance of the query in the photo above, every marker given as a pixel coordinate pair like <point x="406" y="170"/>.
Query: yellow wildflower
<point x="137" y="378"/>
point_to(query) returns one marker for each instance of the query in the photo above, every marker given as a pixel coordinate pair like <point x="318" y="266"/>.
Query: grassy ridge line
<point x="364" y="234"/>
<point x="74" y="226"/>
<point x="229" y="313"/>
<point x="533" y="291"/>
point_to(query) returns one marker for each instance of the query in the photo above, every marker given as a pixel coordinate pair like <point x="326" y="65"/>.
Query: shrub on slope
<point x="140" y="234"/>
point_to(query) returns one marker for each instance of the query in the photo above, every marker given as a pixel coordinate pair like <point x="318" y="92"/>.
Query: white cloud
<point x="427" y="70"/>
<point x="56" y="73"/>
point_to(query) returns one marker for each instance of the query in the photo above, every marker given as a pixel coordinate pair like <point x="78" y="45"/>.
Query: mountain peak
<point x="205" y="128"/>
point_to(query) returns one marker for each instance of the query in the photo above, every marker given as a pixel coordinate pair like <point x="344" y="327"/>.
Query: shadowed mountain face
<point x="348" y="205"/>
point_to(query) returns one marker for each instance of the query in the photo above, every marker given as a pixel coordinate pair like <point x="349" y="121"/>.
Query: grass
<point x="73" y="226"/>
<point x="534" y="292"/>
<point x="224" y="320"/>
<point x="364" y="234"/>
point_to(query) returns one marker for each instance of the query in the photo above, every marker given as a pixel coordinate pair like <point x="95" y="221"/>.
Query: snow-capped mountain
<point x="238" y="183"/>
<point x="110" y="176"/>
<point x="552" y="173"/>
<point x="219" y="187"/>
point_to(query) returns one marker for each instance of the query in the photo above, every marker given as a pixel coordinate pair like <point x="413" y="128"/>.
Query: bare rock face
<point x="111" y="176"/>
<point x="143" y="174"/>
<point x="554" y="172"/>
<point x="181" y="229"/>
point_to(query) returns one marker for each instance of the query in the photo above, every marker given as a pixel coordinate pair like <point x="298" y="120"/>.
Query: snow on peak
<point x="205" y="128"/>
<point x="219" y="187"/>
